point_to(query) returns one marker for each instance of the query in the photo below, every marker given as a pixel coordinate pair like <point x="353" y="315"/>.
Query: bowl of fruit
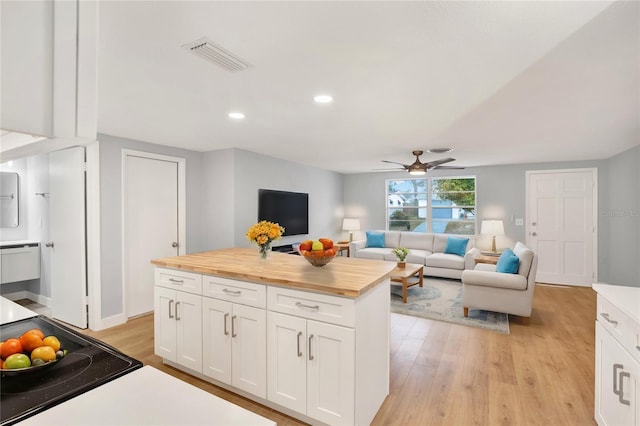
<point x="30" y="351"/>
<point x="318" y="252"/>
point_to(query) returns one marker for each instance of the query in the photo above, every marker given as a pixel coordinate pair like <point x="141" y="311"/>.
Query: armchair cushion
<point x="491" y="279"/>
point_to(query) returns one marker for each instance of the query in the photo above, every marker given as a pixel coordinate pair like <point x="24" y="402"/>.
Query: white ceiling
<point x="499" y="82"/>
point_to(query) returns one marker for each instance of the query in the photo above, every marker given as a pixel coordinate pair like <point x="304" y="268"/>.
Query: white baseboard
<point x="24" y="294"/>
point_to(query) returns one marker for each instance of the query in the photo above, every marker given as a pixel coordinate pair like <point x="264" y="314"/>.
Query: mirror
<point x="9" y="200"/>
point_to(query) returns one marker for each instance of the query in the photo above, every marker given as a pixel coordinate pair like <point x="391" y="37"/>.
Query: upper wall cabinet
<point x="27" y="66"/>
<point x="48" y="67"/>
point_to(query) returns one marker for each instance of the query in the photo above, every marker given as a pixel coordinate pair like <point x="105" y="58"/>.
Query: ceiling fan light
<point x="417" y="172"/>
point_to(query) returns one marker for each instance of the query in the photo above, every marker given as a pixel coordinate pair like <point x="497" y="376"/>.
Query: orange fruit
<point x="10" y="347"/>
<point x="35" y="330"/>
<point x="45" y="353"/>
<point x="327" y="243"/>
<point x="30" y="340"/>
<point x="52" y="341"/>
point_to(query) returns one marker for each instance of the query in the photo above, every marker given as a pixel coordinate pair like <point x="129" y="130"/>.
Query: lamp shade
<point x="351" y="224"/>
<point x="492" y="227"/>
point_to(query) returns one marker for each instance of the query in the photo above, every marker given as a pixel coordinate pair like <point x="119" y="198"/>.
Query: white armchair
<point x="484" y="288"/>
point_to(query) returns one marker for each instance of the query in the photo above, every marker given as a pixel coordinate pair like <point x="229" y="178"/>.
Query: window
<point x="443" y="205"/>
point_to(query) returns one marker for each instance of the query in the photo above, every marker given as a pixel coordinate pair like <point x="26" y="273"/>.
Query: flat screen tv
<point x="289" y="209"/>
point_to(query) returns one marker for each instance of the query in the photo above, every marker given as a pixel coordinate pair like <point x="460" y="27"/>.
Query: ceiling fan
<point x="420" y="168"/>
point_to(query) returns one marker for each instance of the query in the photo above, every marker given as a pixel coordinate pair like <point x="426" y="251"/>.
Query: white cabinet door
<point x="164" y="324"/>
<point x="617" y="382"/>
<point x="249" y="349"/>
<point x="330" y="373"/>
<point x="188" y="318"/>
<point x="287" y="361"/>
<point x="216" y="333"/>
<point x="178" y="327"/>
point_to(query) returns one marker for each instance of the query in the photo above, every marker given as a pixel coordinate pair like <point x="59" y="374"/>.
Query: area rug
<point x="441" y="300"/>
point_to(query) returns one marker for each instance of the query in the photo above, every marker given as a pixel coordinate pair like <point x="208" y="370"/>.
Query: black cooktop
<point x="88" y="364"/>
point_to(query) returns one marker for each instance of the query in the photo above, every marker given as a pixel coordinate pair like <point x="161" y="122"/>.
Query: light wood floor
<point x="445" y="374"/>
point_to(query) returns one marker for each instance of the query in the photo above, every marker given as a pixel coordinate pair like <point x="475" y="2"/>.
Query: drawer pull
<point x="298" y="338"/>
<point x="609" y="320"/>
<point x="226" y="332"/>
<point x="310" y="356"/>
<point x="638" y="348"/>
<point x="232" y="292"/>
<point x="173" y="280"/>
<point x="313" y="308"/>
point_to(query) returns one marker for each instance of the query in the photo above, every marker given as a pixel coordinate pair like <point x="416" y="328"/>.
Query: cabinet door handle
<point x="313" y="308"/>
<point x="616" y="367"/>
<point x="621" y="394"/>
<point x="609" y="320"/>
<point x="233" y="326"/>
<point x="298" y="338"/>
<point x="170" y="303"/>
<point x="232" y="292"/>
<point x="310" y="355"/>
<point x="177" y="317"/>
<point x="173" y="280"/>
<point x="226" y="332"/>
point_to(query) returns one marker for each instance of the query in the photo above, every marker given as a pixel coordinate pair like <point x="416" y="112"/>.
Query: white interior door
<point x="67" y="232"/>
<point x="150" y="228"/>
<point x="561" y="225"/>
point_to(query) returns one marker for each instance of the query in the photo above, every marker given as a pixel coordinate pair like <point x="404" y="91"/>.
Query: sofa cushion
<point x="373" y="253"/>
<point x="508" y="262"/>
<point x="439" y="243"/>
<point x="375" y="239"/>
<point x="525" y="255"/>
<point x="444" y="260"/>
<point x="417" y="240"/>
<point x="417" y="256"/>
<point x="392" y="239"/>
<point x="456" y="246"/>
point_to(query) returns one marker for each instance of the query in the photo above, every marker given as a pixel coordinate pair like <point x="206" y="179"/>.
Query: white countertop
<point x="625" y="298"/>
<point x="147" y="397"/>
<point x="11" y="311"/>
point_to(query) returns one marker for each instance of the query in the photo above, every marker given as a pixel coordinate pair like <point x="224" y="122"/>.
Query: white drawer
<point x="235" y="291"/>
<point x="179" y="280"/>
<point x="623" y="328"/>
<point x="321" y="307"/>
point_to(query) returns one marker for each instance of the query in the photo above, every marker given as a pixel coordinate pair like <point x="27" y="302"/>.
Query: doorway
<point x="153" y="206"/>
<point x="561" y="224"/>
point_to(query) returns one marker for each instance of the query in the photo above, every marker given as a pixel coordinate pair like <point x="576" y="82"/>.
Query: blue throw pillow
<point x="456" y="246"/>
<point x="375" y="239"/>
<point x="508" y="262"/>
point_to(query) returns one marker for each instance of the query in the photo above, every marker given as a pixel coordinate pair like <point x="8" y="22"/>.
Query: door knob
<point x="534" y="233"/>
<point x="49" y="244"/>
<point x="174" y="244"/>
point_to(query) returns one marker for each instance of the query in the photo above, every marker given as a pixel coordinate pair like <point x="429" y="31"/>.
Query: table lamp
<point x="493" y="228"/>
<point x="350" y="225"/>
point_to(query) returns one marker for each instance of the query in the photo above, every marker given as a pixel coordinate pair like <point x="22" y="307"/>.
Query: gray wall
<point x="620" y="218"/>
<point x="501" y="194"/>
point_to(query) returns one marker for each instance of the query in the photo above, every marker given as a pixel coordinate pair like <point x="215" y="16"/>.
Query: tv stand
<point x="287" y="248"/>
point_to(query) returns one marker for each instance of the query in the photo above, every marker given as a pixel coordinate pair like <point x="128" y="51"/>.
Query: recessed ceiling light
<point x="439" y="150"/>
<point x="323" y="99"/>
<point x="236" y="115"/>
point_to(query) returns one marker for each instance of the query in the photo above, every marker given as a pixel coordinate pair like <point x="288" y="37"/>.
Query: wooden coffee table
<point x="409" y="276"/>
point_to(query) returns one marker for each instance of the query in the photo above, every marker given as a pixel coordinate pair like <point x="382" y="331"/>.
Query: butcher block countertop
<point x="343" y="276"/>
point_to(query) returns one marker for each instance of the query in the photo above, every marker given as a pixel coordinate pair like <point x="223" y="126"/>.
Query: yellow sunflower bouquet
<point x="263" y="233"/>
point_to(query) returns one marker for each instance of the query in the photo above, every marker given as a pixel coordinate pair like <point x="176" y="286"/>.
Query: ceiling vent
<point x="213" y="53"/>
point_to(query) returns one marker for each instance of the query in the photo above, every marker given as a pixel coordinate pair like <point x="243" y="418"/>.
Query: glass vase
<point x="264" y="249"/>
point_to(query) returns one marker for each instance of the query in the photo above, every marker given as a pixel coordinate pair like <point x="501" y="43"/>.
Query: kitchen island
<point x="311" y="342"/>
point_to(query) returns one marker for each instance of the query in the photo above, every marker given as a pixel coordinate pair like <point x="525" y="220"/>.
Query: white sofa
<point x="426" y="249"/>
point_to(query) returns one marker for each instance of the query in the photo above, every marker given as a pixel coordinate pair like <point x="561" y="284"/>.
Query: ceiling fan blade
<point x="395" y="162"/>
<point x="432" y="164"/>
<point x="389" y="170"/>
<point x="449" y="167"/>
